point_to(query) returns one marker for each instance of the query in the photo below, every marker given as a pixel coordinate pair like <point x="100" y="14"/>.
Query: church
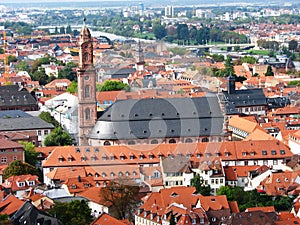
<point x="142" y="121"/>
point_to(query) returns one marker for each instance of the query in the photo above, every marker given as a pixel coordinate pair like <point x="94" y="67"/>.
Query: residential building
<point x="176" y="171"/>
<point x="26" y="125"/>
<point x="249" y="101"/>
<point x="12" y="97"/>
<point x="186" y="206"/>
<point x="20" y="185"/>
<point x="10" y="151"/>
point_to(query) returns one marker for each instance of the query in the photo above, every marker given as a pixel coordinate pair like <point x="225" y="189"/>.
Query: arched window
<point x="205" y="139"/>
<point x="172" y="141"/>
<point x="131" y="142"/>
<point x="154" y="142"/>
<point x="87" y="91"/>
<point x="107" y="143"/>
<point x="188" y="140"/>
<point x="87" y="114"/>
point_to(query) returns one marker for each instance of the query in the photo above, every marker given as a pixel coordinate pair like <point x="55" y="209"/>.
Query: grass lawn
<point x="259" y="52"/>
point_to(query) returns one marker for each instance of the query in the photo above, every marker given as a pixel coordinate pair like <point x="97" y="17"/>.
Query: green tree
<point x="62" y="30"/>
<point x="73" y="88"/>
<point x="172" y="219"/>
<point x="75" y="212"/>
<point x="283" y="203"/>
<point x="111" y="85"/>
<point x="46" y="116"/>
<point x="177" y="51"/>
<point x="245" y="199"/>
<point x="30" y="153"/>
<point x="249" y="59"/>
<point x="17" y="168"/>
<point x="159" y="31"/>
<point x="12" y="58"/>
<point x="68" y="71"/>
<point x="69" y="29"/>
<point x="293" y="45"/>
<point x="182" y="32"/>
<point x="199" y="184"/>
<point x="294" y="83"/>
<point x="269" y="71"/>
<point x="1" y="50"/>
<point x="123" y="197"/>
<point x="22" y="66"/>
<point x="218" y="58"/>
<point x="40" y="76"/>
<point x="58" y="137"/>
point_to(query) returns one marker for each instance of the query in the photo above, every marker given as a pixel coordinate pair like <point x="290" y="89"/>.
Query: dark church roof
<point x="29" y="214"/>
<point x="13" y="114"/>
<point x="119" y="72"/>
<point x="244" y="98"/>
<point x="13" y="96"/>
<point x="23" y="123"/>
<point x="160" y="118"/>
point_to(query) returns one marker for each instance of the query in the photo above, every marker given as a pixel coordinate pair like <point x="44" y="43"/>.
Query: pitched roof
<point x="28" y="123"/>
<point x="10" y="205"/>
<point x="105" y="219"/>
<point x="129" y="119"/>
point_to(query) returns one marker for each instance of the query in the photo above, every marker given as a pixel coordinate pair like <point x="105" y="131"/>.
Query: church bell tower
<point x="86" y="77"/>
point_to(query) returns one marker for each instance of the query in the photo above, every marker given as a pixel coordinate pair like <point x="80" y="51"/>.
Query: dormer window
<point x="112" y="174"/>
<point x="252" y="153"/>
<point x="83" y="158"/>
<point x="73" y="186"/>
<point x="21" y="184"/>
<point x="122" y="157"/>
<point x="70" y="159"/>
<point x="103" y="174"/>
<point x="198" y="155"/>
<point x="93" y="158"/>
<point x="282" y="152"/>
<point x="131" y="157"/>
<point x="31" y="183"/>
<point x="244" y="153"/>
<point x="226" y="154"/>
<point x="120" y="174"/>
<point x="264" y="152"/>
<point x="134" y="173"/>
<point x="104" y="157"/>
<point x="141" y="156"/>
<point x="273" y="152"/>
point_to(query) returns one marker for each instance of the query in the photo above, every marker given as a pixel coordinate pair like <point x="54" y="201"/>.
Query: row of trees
<point x="188" y="35"/>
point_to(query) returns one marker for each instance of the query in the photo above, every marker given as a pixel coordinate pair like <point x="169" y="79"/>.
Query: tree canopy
<point x="58" y="137"/>
<point x="111" y="85"/>
<point x="246" y="199"/>
<point x="73" y="88"/>
<point x="30" y="153"/>
<point x="199" y="184"/>
<point x="159" y="31"/>
<point x="17" y="168"/>
<point x="123" y="197"/>
<point x="46" y="116"/>
<point x="75" y="212"/>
